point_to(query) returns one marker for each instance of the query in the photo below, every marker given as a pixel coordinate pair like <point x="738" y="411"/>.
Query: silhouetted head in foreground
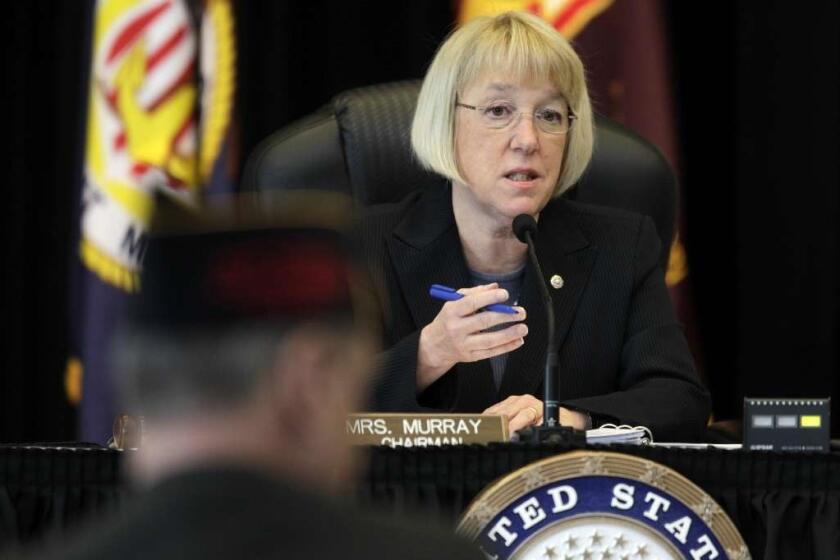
<point x="249" y="340"/>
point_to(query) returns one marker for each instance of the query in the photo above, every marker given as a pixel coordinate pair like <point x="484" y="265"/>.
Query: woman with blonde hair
<point x="504" y="118"/>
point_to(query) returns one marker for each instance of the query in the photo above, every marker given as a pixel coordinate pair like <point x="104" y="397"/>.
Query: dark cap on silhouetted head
<point x="248" y="258"/>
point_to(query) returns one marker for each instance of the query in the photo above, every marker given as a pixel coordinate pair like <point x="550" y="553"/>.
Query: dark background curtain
<point x="44" y="92"/>
<point x="756" y="95"/>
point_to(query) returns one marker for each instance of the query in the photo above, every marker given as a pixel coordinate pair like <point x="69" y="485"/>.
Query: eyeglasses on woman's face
<point x="498" y="115"/>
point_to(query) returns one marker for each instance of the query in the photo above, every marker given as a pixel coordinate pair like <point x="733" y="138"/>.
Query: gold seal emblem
<point x="599" y="505"/>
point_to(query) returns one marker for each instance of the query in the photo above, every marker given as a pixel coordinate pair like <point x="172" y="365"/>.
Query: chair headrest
<point x="360" y="144"/>
<point x="375" y="126"/>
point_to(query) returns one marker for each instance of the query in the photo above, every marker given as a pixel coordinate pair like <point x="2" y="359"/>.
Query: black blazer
<point x="622" y="355"/>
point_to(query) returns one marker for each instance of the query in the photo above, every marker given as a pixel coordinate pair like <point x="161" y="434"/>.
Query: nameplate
<point x="424" y="430"/>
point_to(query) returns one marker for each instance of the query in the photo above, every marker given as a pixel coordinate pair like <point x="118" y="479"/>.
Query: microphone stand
<point x="550" y="431"/>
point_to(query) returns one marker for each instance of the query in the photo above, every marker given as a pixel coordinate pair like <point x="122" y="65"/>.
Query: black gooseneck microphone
<point x="525" y="229"/>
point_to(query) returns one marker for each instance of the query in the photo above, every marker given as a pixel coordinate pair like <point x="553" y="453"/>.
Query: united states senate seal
<point x="593" y="505"/>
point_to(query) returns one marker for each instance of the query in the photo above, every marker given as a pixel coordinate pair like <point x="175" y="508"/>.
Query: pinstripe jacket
<point x="622" y="354"/>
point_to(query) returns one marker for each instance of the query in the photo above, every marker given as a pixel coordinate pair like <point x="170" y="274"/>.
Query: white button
<point x="557" y="282"/>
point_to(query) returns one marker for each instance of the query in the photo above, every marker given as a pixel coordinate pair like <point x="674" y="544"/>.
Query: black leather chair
<point x="359" y="145"/>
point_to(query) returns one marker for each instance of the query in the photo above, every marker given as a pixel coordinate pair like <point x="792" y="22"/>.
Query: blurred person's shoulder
<point x="231" y="513"/>
<point x="409" y="537"/>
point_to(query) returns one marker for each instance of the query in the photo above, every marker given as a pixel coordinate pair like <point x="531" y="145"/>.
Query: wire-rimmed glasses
<point x="501" y="115"/>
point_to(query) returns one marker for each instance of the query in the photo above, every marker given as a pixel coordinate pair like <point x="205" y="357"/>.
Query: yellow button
<point x="812" y="421"/>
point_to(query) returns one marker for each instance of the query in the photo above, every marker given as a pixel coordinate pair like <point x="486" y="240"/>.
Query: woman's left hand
<point x="527" y="410"/>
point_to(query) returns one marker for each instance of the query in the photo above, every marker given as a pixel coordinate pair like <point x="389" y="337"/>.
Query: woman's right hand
<point x="455" y="335"/>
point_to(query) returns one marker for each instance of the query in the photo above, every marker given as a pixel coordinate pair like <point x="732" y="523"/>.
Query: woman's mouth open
<point x="522" y="178"/>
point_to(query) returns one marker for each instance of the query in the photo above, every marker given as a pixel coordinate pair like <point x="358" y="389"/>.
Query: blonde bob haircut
<point x="515" y="44"/>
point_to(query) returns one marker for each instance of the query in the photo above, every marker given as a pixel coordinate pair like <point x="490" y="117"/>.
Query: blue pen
<point x="446" y="293"/>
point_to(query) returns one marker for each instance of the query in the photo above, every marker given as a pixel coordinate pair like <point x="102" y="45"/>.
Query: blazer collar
<point x="425" y="249"/>
<point x="429" y="218"/>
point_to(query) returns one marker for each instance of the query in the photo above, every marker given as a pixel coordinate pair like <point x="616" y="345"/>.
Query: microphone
<point x="525" y="229"/>
<point x="523" y="225"/>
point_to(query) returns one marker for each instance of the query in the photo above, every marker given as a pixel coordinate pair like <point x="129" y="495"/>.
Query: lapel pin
<point x="557" y="282"/>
